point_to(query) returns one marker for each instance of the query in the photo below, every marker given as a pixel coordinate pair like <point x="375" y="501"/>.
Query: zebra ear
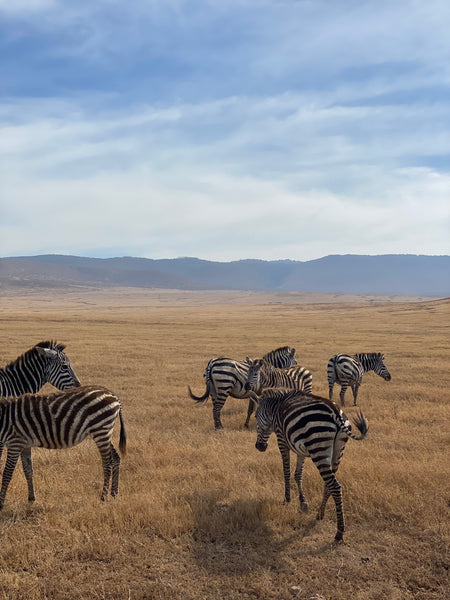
<point x="47" y="352"/>
<point x="248" y="360"/>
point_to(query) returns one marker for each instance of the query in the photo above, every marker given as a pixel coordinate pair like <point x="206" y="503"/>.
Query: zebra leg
<point x="251" y="408"/>
<point x="326" y="495"/>
<point x="330" y="390"/>
<point x="106" y="456"/>
<point x="12" y="456"/>
<point x="115" y="464"/>
<point x="333" y="488"/>
<point x="298" y="479"/>
<point x="284" y="451"/>
<point x="355" y="388"/>
<point x="27" y="465"/>
<point x="218" y="402"/>
<point x="342" y="394"/>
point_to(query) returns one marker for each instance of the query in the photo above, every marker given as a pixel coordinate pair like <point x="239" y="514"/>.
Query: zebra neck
<point x="366" y="362"/>
<point x="16" y="380"/>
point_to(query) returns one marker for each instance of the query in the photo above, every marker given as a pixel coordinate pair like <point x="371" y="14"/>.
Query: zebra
<point x="62" y="420"/>
<point x="309" y="426"/>
<point x="226" y="377"/>
<point x="44" y="362"/>
<point x="262" y="374"/>
<point x="348" y="370"/>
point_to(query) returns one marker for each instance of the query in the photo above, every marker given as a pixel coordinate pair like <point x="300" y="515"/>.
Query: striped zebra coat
<point x="262" y="374"/>
<point x="62" y="420"/>
<point x="348" y="370"/>
<point x="46" y="362"/>
<point x="311" y="426"/>
<point x="226" y="377"/>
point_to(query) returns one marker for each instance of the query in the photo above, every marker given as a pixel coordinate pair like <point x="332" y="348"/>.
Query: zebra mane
<point x="281" y="350"/>
<point x="51" y="345"/>
<point x="369" y="355"/>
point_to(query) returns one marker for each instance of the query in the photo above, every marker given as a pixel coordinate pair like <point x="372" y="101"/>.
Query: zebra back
<point x="344" y="368"/>
<point x="223" y="372"/>
<point x="263" y="375"/>
<point x="45" y="362"/>
<point x="60" y="420"/>
<point x="295" y="415"/>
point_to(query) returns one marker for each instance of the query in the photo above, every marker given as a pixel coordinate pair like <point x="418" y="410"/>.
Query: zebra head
<point x="58" y="370"/>
<point x="381" y="369"/>
<point x="264" y="423"/>
<point x="253" y="382"/>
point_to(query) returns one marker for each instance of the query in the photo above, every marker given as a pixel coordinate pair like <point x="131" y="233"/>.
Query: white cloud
<point x="287" y="143"/>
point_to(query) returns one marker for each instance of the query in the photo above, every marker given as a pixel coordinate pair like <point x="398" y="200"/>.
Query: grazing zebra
<point x="62" y="420"/>
<point x="262" y="374"/>
<point x="226" y="377"/>
<point x="309" y="426"/>
<point x="45" y="362"/>
<point x="348" y="370"/>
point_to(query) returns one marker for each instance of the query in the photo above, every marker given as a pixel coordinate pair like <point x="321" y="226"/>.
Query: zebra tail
<point x="361" y="423"/>
<point x="203" y="398"/>
<point x="123" y="435"/>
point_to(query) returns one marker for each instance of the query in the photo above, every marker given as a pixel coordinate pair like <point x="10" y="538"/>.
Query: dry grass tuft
<point x="199" y="513"/>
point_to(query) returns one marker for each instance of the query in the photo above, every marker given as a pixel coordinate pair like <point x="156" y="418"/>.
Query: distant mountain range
<point x="393" y="274"/>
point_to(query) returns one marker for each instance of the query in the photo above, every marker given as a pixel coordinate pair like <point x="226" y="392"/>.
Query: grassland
<point x="200" y="513"/>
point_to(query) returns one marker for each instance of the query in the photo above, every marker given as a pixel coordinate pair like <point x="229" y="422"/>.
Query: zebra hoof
<point x="304" y="507"/>
<point x="339" y="537"/>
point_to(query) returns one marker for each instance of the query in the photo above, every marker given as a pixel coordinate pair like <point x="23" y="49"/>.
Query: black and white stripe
<point x="61" y="420"/>
<point x="262" y="374"/>
<point x="309" y="426"/>
<point x="45" y="362"/>
<point x="348" y="370"/>
<point x="226" y="377"/>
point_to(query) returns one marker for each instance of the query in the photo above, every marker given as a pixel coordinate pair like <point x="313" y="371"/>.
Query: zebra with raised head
<point x="307" y="425"/>
<point x="62" y="420"/>
<point x="262" y="374"/>
<point x="226" y="377"/>
<point x="348" y="370"/>
<point x="44" y="362"/>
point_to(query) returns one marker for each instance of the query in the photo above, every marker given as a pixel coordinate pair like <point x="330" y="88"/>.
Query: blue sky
<point x="224" y="130"/>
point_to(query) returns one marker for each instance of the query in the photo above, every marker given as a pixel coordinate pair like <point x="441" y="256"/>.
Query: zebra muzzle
<point x="261" y="446"/>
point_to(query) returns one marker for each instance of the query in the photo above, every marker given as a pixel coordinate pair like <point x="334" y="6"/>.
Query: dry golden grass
<point x="199" y="513"/>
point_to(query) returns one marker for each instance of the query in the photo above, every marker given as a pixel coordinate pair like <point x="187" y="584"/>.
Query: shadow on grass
<point x="235" y="539"/>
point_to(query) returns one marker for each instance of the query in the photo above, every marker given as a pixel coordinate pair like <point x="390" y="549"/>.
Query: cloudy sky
<point x="269" y="129"/>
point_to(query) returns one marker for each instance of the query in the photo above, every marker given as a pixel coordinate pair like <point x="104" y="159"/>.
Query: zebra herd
<point x="303" y="423"/>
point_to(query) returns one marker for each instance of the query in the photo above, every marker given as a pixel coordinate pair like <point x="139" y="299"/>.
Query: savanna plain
<point x="200" y="513"/>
